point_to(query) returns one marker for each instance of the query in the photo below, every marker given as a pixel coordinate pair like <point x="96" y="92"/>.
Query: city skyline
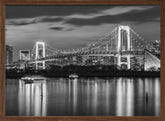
<point x="71" y="27"/>
<point x="82" y="60"/>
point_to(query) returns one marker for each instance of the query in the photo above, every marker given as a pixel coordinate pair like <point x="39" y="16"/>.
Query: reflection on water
<point x="125" y="97"/>
<point x="32" y="98"/>
<point x="84" y="97"/>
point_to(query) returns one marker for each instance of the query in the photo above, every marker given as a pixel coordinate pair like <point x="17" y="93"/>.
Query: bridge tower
<point x="40" y="52"/>
<point x="124" y="44"/>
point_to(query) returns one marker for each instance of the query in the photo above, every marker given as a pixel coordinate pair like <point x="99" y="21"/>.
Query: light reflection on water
<point x="32" y="98"/>
<point x="84" y="97"/>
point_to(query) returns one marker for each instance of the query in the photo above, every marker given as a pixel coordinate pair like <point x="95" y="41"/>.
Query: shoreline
<point x="94" y="74"/>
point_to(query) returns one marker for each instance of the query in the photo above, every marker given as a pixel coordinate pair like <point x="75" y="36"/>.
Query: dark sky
<point x="65" y="27"/>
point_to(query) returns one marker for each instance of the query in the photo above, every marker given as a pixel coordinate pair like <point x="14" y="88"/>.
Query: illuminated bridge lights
<point x="122" y="42"/>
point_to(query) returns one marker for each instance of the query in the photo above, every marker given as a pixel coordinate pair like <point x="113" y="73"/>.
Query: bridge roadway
<point x="98" y="53"/>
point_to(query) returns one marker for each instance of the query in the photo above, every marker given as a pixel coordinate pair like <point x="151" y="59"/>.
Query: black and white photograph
<point x="82" y="60"/>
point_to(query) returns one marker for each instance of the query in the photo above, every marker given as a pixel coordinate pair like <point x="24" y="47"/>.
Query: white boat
<point x="31" y="79"/>
<point x="73" y="76"/>
<point x="27" y="79"/>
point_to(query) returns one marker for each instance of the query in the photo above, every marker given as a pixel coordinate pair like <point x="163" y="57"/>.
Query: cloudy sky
<point x="65" y="27"/>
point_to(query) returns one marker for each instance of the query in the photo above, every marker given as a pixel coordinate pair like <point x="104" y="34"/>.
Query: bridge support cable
<point x="139" y="41"/>
<point x="121" y="43"/>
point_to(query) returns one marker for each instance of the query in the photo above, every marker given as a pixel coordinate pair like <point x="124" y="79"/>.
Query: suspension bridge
<point x="119" y="46"/>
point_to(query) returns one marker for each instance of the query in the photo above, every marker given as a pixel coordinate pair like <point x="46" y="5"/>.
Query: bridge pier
<point x="126" y="60"/>
<point x="40" y="65"/>
<point x="129" y="62"/>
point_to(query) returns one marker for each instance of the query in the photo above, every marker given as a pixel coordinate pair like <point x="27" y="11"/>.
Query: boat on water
<point x="73" y="76"/>
<point x="27" y="79"/>
<point x="31" y="79"/>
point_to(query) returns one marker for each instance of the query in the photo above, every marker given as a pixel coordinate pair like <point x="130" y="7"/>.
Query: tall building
<point x="8" y="54"/>
<point x="24" y="55"/>
<point x="156" y="46"/>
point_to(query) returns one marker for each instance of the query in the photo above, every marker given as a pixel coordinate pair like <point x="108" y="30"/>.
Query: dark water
<point x="84" y="97"/>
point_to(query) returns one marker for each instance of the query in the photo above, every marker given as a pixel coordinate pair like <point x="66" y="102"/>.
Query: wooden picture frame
<point x="79" y="2"/>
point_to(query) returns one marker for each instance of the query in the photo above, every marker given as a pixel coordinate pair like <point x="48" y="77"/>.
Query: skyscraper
<point x="24" y="55"/>
<point x="8" y="54"/>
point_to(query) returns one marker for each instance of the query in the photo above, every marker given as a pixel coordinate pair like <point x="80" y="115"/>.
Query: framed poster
<point x="79" y="60"/>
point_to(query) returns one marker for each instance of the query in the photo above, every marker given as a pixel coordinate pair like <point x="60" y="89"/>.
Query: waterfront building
<point x="8" y="54"/>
